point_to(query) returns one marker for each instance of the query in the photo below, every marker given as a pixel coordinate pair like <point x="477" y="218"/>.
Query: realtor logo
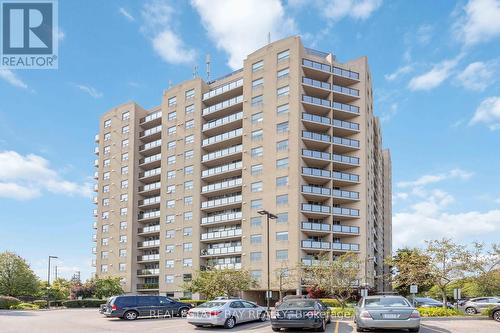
<point x="29" y="34"/>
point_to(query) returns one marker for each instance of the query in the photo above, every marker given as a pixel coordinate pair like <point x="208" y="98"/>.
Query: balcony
<point x="147" y="286"/>
<point x="227" y="202"/>
<point x="341" y="162"/>
<point x="150" y="229"/>
<point x="316" y="193"/>
<point x="341" y="75"/>
<point x="314" y="210"/>
<point x="342" y="213"/>
<point x="151" y="161"/>
<point x="345" y="247"/>
<point x="94" y="238"/>
<point x="225" y="139"/>
<point x="96" y="163"/>
<point x="316" y="176"/>
<point x="227" y="266"/>
<point x="316" y="123"/>
<point x="316" y="87"/>
<point x="96" y="175"/>
<point x="316" y="140"/>
<point x="94" y="225"/>
<point x="95" y="200"/>
<point x="219" y="235"/>
<point x="96" y="138"/>
<point x="150" y="175"/>
<point x="345" y="229"/>
<point x="223" y="171"/>
<point x="344" y="178"/>
<point x="344" y="145"/>
<point x="222" y="218"/>
<point x="151" y="134"/>
<point x="345" y="196"/>
<point x="344" y="94"/>
<point x="315" y="245"/>
<point x="148" y="272"/>
<point x="226" y="123"/>
<point x="344" y="111"/>
<point x="223" y="155"/>
<point x="151" y="120"/>
<point x="150" y="189"/>
<point x="223" y="108"/>
<point x="315" y="228"/>
<point x="316" y="158"/>
<point x="96" y="149"/>
<point x="148" y="257"/>
<point x="224" y="91"/>
<point x="151" y="201"/>
<point x="151" y="147"/>
<point x="341" y="111"/>
<point x="149" y="243"/>
<point x="216" y="188"/>
<point x="153" y="214"/>
<point x="314" y="262"/>
<point x="221" y="251"/>
<point x="344" y="127"/>
<point x="94" y="250"/>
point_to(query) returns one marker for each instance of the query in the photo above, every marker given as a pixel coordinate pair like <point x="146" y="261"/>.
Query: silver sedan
<point x="393" y="312"/>
<point x="226" y="312"/>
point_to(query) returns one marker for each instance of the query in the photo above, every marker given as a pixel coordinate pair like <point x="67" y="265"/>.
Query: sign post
<point x="457" y="294"/>
<point x="364" y="292"/>
<point x="413" y="291"/>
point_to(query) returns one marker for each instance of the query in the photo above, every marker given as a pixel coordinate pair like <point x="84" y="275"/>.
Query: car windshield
<point x="211" y="305"/>
<point x="297" y="303"/>
<point x="386" y="302"/>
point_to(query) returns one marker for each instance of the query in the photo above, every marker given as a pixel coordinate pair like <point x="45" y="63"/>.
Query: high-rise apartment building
<point x="179" y="187"/>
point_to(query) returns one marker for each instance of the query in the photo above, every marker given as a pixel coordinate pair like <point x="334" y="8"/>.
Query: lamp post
<point x="268" y="292"/>
<point x="48" y="281"/>
<point x="366" y="270"/>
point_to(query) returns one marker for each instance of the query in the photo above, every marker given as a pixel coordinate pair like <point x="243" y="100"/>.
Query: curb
<point x="454" y="318"/>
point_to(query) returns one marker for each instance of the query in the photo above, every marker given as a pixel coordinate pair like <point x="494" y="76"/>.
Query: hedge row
<point x="25" y="306"/>
<point x="339" y="312"/>
<point x="84" y="303"/>
<point x="6" y="302"/>
<point x="438" y="312"/>
<point x="331" y="302"/>
<point x="195" y="302"/>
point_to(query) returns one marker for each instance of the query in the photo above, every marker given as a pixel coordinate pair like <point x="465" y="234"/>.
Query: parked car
<point x="495" y="313"/>
<point x="131" y="307"/>
<point x="475" y="305"/>
<point x="386" y="312"/>
<point x="226" y="312"/>
<point x="300" y="313"/>
<point x="427" y="302"/>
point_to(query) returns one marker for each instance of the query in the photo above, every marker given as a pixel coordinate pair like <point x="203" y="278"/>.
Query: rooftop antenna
<point x="269" y="37"/>
<point x="195" y="71"/>
<point x="207" y="61"/>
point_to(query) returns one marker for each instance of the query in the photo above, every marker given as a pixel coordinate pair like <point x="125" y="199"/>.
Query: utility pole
<point x="48" y="282"/>
<point x="268" y="292"/>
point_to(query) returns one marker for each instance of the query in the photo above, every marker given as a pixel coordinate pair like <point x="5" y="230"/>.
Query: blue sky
<point x="435" y="69"/>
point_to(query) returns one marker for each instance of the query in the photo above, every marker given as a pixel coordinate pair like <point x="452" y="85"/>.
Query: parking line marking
<point x="435" y="329"/>
<point x="337" y="327"/>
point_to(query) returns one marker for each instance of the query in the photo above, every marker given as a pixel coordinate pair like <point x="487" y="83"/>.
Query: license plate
<point x="390" y="316"/>
<point x="293" y="316"/>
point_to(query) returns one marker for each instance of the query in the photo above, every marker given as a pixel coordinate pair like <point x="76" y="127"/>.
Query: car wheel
<point x="230" y="322"/>
<point x="359" y="329"/>
<point x="470" y="311"/>
<point x="263" y="316"/>
<point x="415" y="329"/>
<point x="130" y="315"/>
<point x="276" y="329"/>
<point x="322" y="328"/>
<point x="496" y="315"/>
<point x="183" y="312"/>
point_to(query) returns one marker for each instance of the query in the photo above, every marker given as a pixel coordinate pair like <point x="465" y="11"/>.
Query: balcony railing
<point x="150" y="201"/>
<point x="221" y="153"/>
<point x="154" y="242"/>
<point x="222" y="169"/>
<point x="316" y="226"/>
<point x="345" y="142"/>
<point x="221" y="234"/>
<point x="345" y="176"/>
<point x="149" y="173"/>
<point x="222" y="89"/>
<point x="345" y="159"/>
<point x="152" y="116"/>
<point x="328" y="104"/>
<point x="327" y="68"/>
<point x="345" y="90"/>
<point x="150" y="187"/>
<point x="222" y="201"/>
<point x="150" y="131"/>
<point x="151" y="271"/>
<point x="149" y="215"/>
<point x="149" y="159"/>
<point x="227" y="266"/>
<point x="345" y="246"/>
<point x="345" y="124"/>
<point x="222" y="137"/>
<point x="151" y="228"/>
<point x="222" y="121"/>
<point x="345" y="194"/>
<point x="314" y="262"/>
<point x="316" y="172"/>
<point x="223" y="105"/>
<point x="148" y="257"/>
<point x="221" y="250"/>
<point x="312" y="244"/>
<point x="221" y="218"/>
<point x="345" y="107"/>
<point x="345" y="211"/>
<point x="148" y="286"/>
<point x="315" y="118"/>
<point x="330" y="192"/>
<point x="150" y="145"/>
<point x="222" y="185"/>
<point x="316" y="83"/>
<point x="316" y="136"/>
<point x="316" y="208"/>
<point x="346" y="229"/>
<point x="316" y="154"/>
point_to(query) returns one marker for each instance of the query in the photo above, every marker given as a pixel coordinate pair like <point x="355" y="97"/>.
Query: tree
<point x="338" y="278"/>
<point x="107" y="286"/>
<point x="286" y="278"/>
<point x="448" y="262"/>
<point x="59" y="290"/>
<point x="82" y="290"/>
<point x="485" y="267"/>
<point x="410" y="266"/>
<point x="220" y="282"/>
<point x="16" y="276"/>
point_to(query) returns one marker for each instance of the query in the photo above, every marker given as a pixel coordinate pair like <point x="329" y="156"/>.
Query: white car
<point x="226" y="312"/>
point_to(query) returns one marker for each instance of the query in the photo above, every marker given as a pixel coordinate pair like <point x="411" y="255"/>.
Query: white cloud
<point x="26" y="177"/>
<point x="477" y="76"/>
<point x="488" y="112"/>
<point x="399" y="72"/>
<point x="93" y="92"/>
<point x="158" y="17"/>
<point x="126" y="14"/>
<point x="12" y="78"/>
<point x="435" y="178"/>
<point x="479" y="22"/>
<point x="497" y="200"/>
<point x="433" y="78"/>
<point x="390" y="112"/>
<point x="241" y="27"/>
<point x="357" y="9"/>
<point x="424" y="33"/>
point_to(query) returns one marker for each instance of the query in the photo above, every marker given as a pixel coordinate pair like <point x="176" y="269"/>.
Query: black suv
<point x="131" y="307"/>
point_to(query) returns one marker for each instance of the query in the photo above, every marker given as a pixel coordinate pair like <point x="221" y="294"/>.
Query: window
<point x="256" y="187"/>
<point x="282" y="145"/>
<point x="104" y="268"/>
<point x="105" y="215"/>
<point x="255" y="256"/>
<point x="256" y="204"/>
<point x="282" y="255"/>
<point x="105" y="175"/>
<point x="257" y="83"/>
<point x="257" y="100"/>
<point x="190" y="93"/>
<point x="124" y="157"/>
<point x="282" y="181"/>
<point x="171" y="203"/>
<point x="105" y="189"/>
<point x="105" y="228"/>
<point x="124" y="184"/>
<point x="189" y="124"/>
<point x="282" y="109"/>
<point x="107" y="136"/>
<point x="257" y="118"/>
<point x="189" y="170"/>
<point x="282" y="218"/>
<point x="171" y="130"/>
<point x="187" y="247"/>
<point x="125" y="170"/>
<point x="171" y="160"/>
<point x="171" y="116"/>
<point x="188" y="232"/>
<point x="107" y="149"/>
<point x="284" y="55"/>
<point x="256" y="221"/>
<point x="282" y="236"/>
<point x="188" y="154"/>
<point x="171" y="145"/>
<point x="171" y="189"/>
<point x="126" y="115"/>
<point x="123" y="239"/>
<point x="169" y="279"/>
<point x="105" y="202"/>
<point x="123" y="253"/>
<point x="188" y="216"/>
<point x="105" y="241"/>
<point x="106" y="162"/>
<point x="169" y="248"/>
<point x="283" y="73"/>
<point x="122" y="267"/>
<point x="190" y="109"/>
<point x="125" y="143"/>
<point x="258" y="65"/>
<point x="188" y="262"/>
<point x="104" y="254"/>
<point x="125" y="129"/>
<point x="169" y="219"/>
<point x="188" y="200"/>
<point x="282" y="200"/>
<point x="188" y="185"/>
<point x="189" y="139"/>
<point x="257" y="135"/>
<point x="282" y="163"/>
<point x="172" y="101"/>
<point x="256" y="239"/>
<point x="107" y="123"/>
<point x="256" y="274"/>
<point x="282" y="127"/>
<point x="256" y="169"/>
<point x="169" y="263"/>
<point x="123" y="225"/>
<point x="171" y="174"/>
<point x="170" y="234"/>
<point x="283" y="91"/>
<point x="257" y="152"/>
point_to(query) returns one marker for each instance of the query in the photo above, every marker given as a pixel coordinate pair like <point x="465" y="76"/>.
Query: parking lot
<point x="90" y="321"/>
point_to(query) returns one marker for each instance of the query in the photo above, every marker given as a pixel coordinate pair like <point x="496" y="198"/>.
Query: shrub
<point x="24" y="306"/>
<point x="194" y="302"/>
<point x="7" y="301"/>
<point x="339" y="312"/>
<point x="438" y="312"/>
<point x="41" y="303"/>
<point x="488" y="311"/>
<point x="331" y="302"/>
<point x="84" y="303"/>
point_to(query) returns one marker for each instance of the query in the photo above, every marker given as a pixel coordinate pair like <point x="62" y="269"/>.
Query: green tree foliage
<point x="220" y="282"/>
<point x="107" y="287"/>
<point x="59" y="289"/>
<point x="16" y="276"/>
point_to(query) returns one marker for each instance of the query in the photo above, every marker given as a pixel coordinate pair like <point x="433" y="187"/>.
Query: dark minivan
<point x="131" y="307"/>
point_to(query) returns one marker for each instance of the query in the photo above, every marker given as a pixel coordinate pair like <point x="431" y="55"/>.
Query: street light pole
<point x="268" y="292"/>
<point x="48" y="281"/>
